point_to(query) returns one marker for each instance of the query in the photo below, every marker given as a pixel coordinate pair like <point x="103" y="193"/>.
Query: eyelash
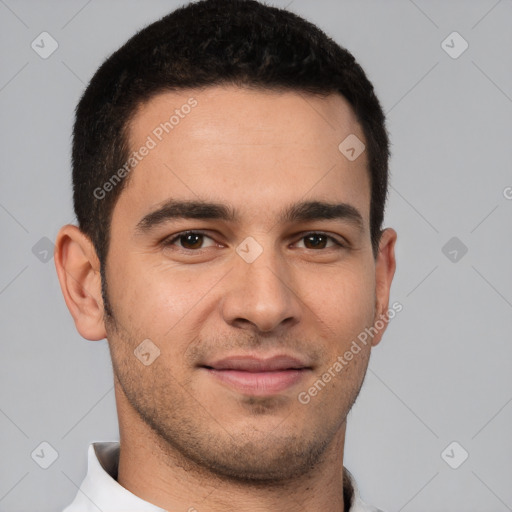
<point x="174" y="238"/>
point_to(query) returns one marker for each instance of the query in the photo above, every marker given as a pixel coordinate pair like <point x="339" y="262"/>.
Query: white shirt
<point x="100" y="490"/>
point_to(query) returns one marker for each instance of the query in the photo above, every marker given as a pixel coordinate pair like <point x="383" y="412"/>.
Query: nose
<point x="261" y="294"/>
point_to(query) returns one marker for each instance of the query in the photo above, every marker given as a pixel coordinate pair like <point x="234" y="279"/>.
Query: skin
<point x="188" y="440"/>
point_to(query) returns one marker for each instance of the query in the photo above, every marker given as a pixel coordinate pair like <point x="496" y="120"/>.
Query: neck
<point x="157" y="473"/>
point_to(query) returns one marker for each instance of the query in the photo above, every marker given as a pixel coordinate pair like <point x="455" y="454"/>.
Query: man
<point x="230" y="177"/>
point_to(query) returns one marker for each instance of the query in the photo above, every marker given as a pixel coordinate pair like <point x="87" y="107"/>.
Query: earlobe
<point x="78" y="271"/>
<point x="384" y="271"/>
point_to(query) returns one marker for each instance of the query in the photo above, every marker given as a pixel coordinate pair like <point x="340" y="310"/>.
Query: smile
<point x="258" y="377"/>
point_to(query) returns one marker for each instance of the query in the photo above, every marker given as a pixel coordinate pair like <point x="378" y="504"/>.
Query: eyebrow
<point x="298" y="212"/>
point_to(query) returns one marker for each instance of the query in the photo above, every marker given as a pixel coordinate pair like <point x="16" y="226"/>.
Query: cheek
<point x="344" y="301"/>
<point x="161" y="298"/>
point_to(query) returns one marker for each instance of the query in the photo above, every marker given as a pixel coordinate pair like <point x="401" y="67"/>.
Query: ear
<point x="384" y="271"/>
<point x="78" y="269"/>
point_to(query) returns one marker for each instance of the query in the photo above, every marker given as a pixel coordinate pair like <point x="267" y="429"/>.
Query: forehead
<point x="252" y="149"/>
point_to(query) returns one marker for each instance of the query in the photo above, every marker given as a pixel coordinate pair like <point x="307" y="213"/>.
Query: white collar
<point x="101" y="492"/>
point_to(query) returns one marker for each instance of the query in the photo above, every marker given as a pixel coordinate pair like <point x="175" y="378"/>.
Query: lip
<point x="257" y="376"/>
<point x="252" y="363"/>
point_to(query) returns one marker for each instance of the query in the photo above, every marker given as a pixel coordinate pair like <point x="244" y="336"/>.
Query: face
<point x="274" y="282"/>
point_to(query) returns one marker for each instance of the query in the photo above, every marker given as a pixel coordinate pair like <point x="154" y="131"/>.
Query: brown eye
<point x="316" y="241"/>
<point x="189" y="240"/>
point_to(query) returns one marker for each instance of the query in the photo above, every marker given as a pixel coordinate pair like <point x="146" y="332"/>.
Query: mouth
<point x="256" y="376"/>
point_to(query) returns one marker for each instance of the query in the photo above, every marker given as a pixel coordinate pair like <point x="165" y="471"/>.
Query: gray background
<point x="443" y="370"/>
